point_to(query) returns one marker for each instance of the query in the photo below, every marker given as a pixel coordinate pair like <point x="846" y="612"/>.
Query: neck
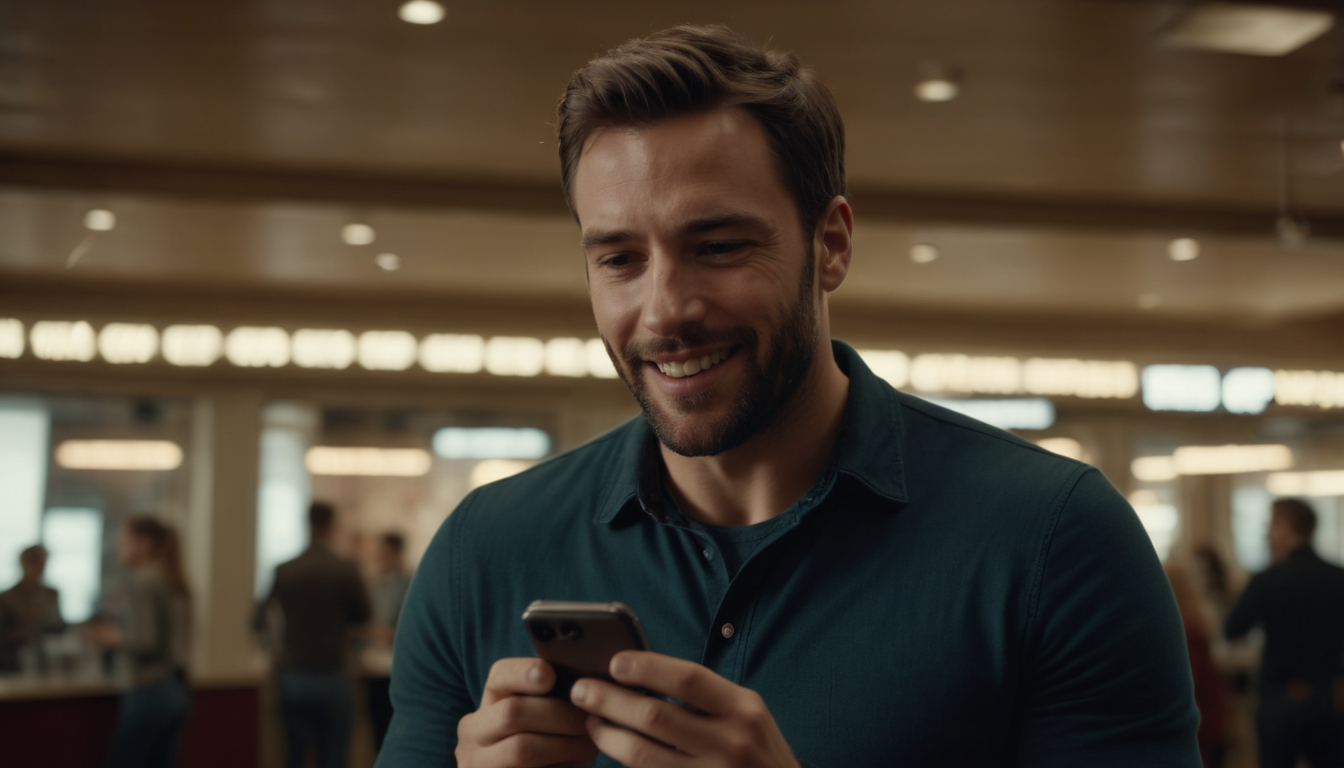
<point x="763" y="476"/>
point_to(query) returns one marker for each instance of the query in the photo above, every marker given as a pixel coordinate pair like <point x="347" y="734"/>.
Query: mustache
<point x="638" y="350"/>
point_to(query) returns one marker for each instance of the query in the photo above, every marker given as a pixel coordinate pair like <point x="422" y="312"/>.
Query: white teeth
<point x="693" y="366"/>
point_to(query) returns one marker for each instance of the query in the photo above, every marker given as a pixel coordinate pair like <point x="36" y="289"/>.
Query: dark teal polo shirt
<point x="946" y="594"/>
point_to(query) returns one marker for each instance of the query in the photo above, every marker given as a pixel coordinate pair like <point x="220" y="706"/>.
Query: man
<point x="322" y="600"/>
<point x="28" y="610"/>
<point x="1298" y="602"/>
<point x="829" y="572"/>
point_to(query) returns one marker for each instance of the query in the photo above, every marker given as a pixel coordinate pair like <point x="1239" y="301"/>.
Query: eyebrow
<point x="692" y="227"/>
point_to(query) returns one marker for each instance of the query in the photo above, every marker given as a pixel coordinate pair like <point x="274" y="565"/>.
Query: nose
<point x="675" y="298"/>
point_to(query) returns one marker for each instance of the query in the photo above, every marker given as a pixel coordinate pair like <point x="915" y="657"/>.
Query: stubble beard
<point x="771" y="386"/>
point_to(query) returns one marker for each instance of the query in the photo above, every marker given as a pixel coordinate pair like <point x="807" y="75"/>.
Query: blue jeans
<point x="317" y="707"/>
<point x="149" y="725"/>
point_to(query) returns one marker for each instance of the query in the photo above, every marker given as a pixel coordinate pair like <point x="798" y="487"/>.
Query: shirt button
<point x="708" y="555"/>
<point x="727" y="631"/>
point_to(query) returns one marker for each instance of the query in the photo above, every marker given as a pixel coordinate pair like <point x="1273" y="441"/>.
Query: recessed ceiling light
<point x="937" y="82"/>
<point x="357" y="234"/>
<point x="100" y="220"/>
<point x="923" y="253"/>
<point x="421" y="12"/>
<point x="1183" y="249"/>
<point x="388" y="262"/>
<point x="1259" y="30"/>
<point x="1149" y="301"/>
<point x="936" y="90"/>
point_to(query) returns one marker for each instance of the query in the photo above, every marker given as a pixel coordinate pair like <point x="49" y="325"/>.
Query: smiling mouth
<point x="691" y="367"/>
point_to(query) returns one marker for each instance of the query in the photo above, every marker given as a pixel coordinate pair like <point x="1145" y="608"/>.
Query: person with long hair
<point x="1213" y="695"/>
<point x="152" y="635"/>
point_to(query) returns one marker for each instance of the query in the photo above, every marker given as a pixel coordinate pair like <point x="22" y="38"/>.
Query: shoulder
<point x="959" y="450"/>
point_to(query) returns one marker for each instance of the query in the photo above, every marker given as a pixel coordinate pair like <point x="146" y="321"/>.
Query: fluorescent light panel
<point x="1018" y="413"/>
<point x="122" y="343"/>
<point x="192" y="345"/>
<point x="1258" y="30"/>
<point x="1318" y="483"/>
<point x="381" y="462"/>
<point x="250" y="347"/>
<point x="491" y="443"/>
<point x="63" y="340"/>
<point x="11" y="338"/>
<point x="1196" y="388"/>
<point x="1321" y="389"/>
<point x="138" y="455"/>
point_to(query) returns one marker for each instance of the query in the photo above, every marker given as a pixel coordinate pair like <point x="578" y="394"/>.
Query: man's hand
<point x="722" y="724"/>
<point x="518" y="727"/>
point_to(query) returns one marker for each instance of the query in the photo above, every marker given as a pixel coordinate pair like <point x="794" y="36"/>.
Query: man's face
<point x="1282" y="538"/>
<point x="701" y="278"/>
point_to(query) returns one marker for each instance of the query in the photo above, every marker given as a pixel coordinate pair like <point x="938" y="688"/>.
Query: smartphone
<point x="579" y="639"/>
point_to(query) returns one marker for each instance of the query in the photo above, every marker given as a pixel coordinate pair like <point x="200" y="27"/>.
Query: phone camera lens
<point x="570" y="630"/>
<point x="543" y="631"/>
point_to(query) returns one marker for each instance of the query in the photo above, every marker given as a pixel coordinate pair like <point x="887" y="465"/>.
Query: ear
<point x="834" y="244"/>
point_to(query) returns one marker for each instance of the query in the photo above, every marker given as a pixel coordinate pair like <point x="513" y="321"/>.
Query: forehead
<point x="679" y="168"/>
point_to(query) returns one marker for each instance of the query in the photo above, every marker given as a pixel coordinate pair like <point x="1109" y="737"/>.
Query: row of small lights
<point x="337" y="349"/>
<point x="1195" y="388"/>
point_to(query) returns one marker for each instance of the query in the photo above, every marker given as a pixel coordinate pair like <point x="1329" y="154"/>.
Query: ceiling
<point x="235" y="139"/>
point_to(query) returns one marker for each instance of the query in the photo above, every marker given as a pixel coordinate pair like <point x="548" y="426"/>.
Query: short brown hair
<point x="689" y="69"/>
<point x="1298" y="514"/>
<point x="321" y="516"/>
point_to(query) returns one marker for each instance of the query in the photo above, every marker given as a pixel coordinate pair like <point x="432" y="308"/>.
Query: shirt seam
<point x="1038" y="571"/>
<point x="459" y="627"/>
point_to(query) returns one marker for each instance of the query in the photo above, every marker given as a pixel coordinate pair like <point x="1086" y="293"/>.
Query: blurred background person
<point x="1299" y="601"/>
<point x="1213" y="696"/>
<point x="389" y="592"/>
<point x="321" y="600"/>
<point x="28" y="610"/>
<point x="151" y="634"/>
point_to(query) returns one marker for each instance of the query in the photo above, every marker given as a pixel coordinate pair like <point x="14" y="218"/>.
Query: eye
<point x="721" y="248"/>
<point x="615" y="260"/>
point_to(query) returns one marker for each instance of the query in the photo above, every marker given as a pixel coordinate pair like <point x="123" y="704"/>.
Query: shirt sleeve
<point x="1106" y="679"/>
<point x="429" y="692"/>
<point x="1246" y="613"/>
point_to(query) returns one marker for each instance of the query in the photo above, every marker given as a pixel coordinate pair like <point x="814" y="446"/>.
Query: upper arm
<point x="1246" y="612"/>
<point x="429" y="692"/>
<point x="1106" y="677"/>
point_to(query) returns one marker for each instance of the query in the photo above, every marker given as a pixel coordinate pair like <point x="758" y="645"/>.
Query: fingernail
<point x="621" y="665"/>
<point x="578" y="693"/>
<point x="534" y="674"/>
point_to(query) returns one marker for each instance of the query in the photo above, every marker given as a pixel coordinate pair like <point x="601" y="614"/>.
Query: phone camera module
<point x="543" y="631"/>
<point x="570" y="631"/>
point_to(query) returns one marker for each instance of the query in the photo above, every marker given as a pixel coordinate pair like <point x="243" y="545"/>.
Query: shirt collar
<point x="868" y="449"/>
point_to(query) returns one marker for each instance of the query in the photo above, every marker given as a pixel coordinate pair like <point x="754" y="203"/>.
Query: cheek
<point x="616" y="310"/>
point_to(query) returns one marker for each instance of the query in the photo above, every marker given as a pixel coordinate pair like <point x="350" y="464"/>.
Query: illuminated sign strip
<point x="1198" y="388"/>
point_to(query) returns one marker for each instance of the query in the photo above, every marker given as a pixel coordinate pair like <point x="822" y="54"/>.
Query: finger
<point x="510" y="677"/>
<point x="632" y="749"/>
<point x="680" y="679"/>
<point x="525" y="714"/>
<point x="658" y="719"/>
<point x="532" y="750"/>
